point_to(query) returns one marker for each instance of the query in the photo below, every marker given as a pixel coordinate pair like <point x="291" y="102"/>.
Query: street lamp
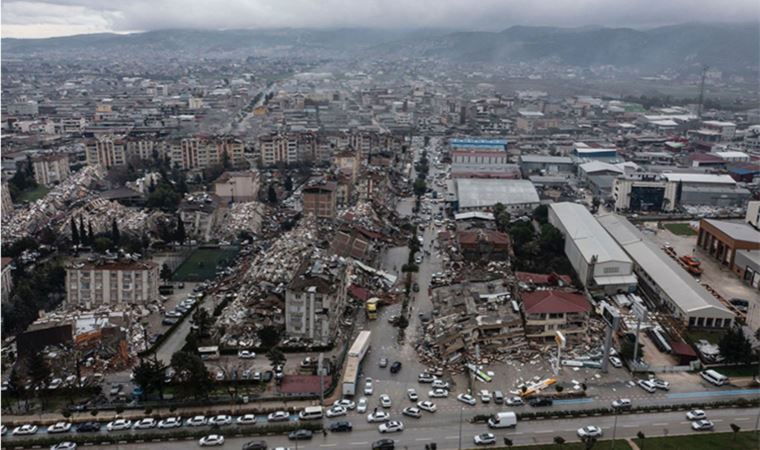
<point x="461" y="410"/>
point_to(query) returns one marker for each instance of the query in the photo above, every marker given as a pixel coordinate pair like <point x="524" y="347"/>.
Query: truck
<point x="356" y="354"/>
<point x="691" y="264"/>
<point x="504" y="419"/>
<point x="371" y="308"/>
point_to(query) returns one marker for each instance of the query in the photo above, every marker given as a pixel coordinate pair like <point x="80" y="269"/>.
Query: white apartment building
<point x="111" y="283"/>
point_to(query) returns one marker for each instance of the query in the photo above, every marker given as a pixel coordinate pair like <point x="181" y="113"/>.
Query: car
<point x="378" y="416"/>
<point x="246" y="354"/>
<point x="220" y="420"/>
<point x="170" y="422"/>
<point x="484" y="439"/>
<point x="64" y="446"/>
<point x="119" y="424"/>
<point x="385" y="401"/>
<point x="425" y="377"/>
<point x="384" y="444"/>
<point x="467" y="398"/>
<point x="278" y="416"/>
<point x="411" y="411"/>
<point x="88" y="427"/>
<point x="341" y="426"/>
<point x="368" y="389"/>
<point x="622" y="403"/>
<point x="411" y="394"/>
<point x="361" y="406"/>
<point x="219" y="376"/>
<point x="647" y="386"/>
<point x="383" y="363"/>
<point x="440" y="384"/>
<point x="396" y="367"/>
<point x="255" y="445"/>
<point x="336" y="411"/>
<point x="696" y="414"/>
<point x="485" y="396"/>
<point x="589" y="431"/>
<point x="427" y="405"/>
<point x="515" y="401"/>
<point x="394" y="426"/>
<point x="145" y="423"/>
<point x="247" y="419"/>
<point x="59" y="427"/>
<point x="55" y="383"/>
<point x="211" y="440"/>
<point x="740" y="304"/>
<point x="438" y="393"/>
<point x="115" y="389"/>
<point x="196" y="421"/>
<point x="24" y="430"/>
<point x="300" y="435"/>
<point x="661" y="384"/>
<point x="702" y="425"/>
<point x="616" y="362"/>
<point x="541" y="401"/>
<point x="346" y="403"/>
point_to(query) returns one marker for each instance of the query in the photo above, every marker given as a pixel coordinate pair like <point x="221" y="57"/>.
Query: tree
<point x="289" y="184"/>
<point x="90" y="234"/>
<point x="626" y="350"/>
<point x="559" y="440"/>
<point x="595" y="202"/>
<point x="149" y="375"/>
<point x="94" y="412"/>
<point x="735" y="428"/>
<point x="588" y="442"/>
<point x="202" y="322"/>
<point x="74" y="233"/>
<point x="501" y="217"/>
<point x="180" y="235"/>
<point x="166" y="272"/>
<point x="269" y="336"/>
<point x="276" y="356"/>
<point x="82" y="232"/>
<point x="508" y="442"/>
<point x="101" y="244"/>
<point x="559" y="388"/>
<point x="115" y="235"/>
<point x="551" y="241"/>
<point x="271" y="194"/>
<point x="541" y="214"/>
<point x="38" y="369"/>
<point x="735" y="347"/>
<point x="420" y="187"/>
<point x="191" y="372"/>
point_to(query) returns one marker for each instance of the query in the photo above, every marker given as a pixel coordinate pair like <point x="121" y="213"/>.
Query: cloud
<point x="56" y="17"/>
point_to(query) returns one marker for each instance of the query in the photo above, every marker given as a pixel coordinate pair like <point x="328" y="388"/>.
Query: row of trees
<point x="539" y="250"/>
<point x="23" y="179"/>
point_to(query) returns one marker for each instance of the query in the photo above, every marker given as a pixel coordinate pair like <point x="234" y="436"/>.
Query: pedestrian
<point x="324" y="432"/>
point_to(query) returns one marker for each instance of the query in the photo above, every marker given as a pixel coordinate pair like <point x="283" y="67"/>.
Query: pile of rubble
<point x="101" y="212"/>
<point x="242" y="217"/>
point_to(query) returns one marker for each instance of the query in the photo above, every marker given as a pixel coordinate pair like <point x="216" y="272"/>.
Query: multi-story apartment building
<point x="237" y="186"/>
<point x="107" y="151"/>
<point x="320" y="198"/>
<point x="201" y="152"/>
<point x="51" y="168"/>
<point x="278" y="149"/>
<point x="547" y="312"/>
<point x="7" y="203"/>
<point x="111" y="283"/>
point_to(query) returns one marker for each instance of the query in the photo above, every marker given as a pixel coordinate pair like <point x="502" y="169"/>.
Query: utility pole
<point x="461" y="409"/>
<point x="614" y="431"/>
<point x="702" y="92"/>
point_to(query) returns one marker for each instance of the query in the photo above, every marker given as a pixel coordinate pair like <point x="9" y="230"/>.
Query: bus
<point x="209" y="353"/>
<point x="355" y="356"/>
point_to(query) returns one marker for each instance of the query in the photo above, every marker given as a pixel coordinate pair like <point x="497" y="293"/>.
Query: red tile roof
<point x="542" y="278"/>
<point x="545" y="302"/>
<point x="358" y="292"/>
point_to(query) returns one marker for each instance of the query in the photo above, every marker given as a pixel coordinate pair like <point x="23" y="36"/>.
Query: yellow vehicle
<point x="372" y="308"/>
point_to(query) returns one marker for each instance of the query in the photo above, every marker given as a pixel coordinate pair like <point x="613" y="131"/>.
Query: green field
<point x="681" y="229"/>
<point x="700" y="441"/>
<point x="620" y="444"/>
<point x="31" y="195"/>
<point x="202" y="264"/>
<point x="712" y="337"/>
<point x="739" y="371"/>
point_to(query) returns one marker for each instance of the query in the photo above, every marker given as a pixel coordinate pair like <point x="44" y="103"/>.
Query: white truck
<point x="503" y="420"/>
<point x="353" y="361"/>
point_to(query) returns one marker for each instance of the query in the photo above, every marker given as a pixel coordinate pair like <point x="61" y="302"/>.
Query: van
<point x="311" y="413"/>
<point x="714" y="377"/>
<point x="503" y="420"/>
<point x="498" y="397"/>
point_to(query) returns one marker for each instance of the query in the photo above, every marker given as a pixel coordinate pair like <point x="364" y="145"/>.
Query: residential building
<point x="106" y="151"/>
<point x="320" y="198"/>
<point x="50" y="168"/>
<point x="237" y="186"/>
<point x="114" y="283"/>
<point x="484" y="245"/>
<point x="7" y="203"/>
<point x="595" y="151"/>
<point x="347" y="162"/>
<point x="549" y="311"/>
<point x="278" y="149"/>
<point x="726" y="130"/>
<point x="7" y="278"/>
<point x="752" y="217"/>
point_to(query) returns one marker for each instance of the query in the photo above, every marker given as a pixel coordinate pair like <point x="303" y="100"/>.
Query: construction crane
<point x="702" y="91"/>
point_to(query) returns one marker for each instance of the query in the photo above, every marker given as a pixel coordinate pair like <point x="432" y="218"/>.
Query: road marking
<point x="424" y="439"/>
<point x="328" y="445"/>
<point x="742" y="419"/>
<point x="661" y="424"/>
<point x="451" y="437"/>
<point x="543" y="431"/>
<point x="717" y="420"/>
<point x="360" y="443"/>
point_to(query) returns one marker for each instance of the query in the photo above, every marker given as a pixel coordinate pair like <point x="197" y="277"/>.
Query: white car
<point x="425" y="377"/>
<point x="144" y="424"/>
<point x="440" y="384"/>
<point x="25" y="430"/>
<point x="64" y="446"/>
<point x="702" y="425"/>
<point x="346" y="403"/>
<point x="622" y="403"/>
<point x="361" y="407"/>
<point x="368" y="389"/>
<point x="515" y="401"/>
<point x="220" y="420"/>
<point x="616" y="362"/>
<point x="661" y="384"/>
<point x="647" y="386"/>
<point x="411" y="411"/>
<point x="590" y="432"/>
<point x="170" y="422"/>
<point x="696" y="414"/>
<point x="211" y="440"/>
<point x="246" y="354"/>
<point x="119" y="424"/>
<point x="336" y="411"/>
<point x="438" y="393"/>
<point x="378" y="416"/>
<point x="391" y="427"/>
<point x="60" y="427"/>
<point x="484" y="439"/>
<point x="278" y="416"/>
<point x="412" y="394"/>
<point x="219" y="376"/>
<point x="467" y="398"/>
<point x="197" y="421"/>
<point x="248" y="419"/>
<point x="385" y="401"/>
<point x="55" y="384"/>
<point x="427" y="406"/>
<point x="485" y="396"/>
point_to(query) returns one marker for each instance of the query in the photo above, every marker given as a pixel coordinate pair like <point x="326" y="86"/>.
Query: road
<point x="443" y="428"/>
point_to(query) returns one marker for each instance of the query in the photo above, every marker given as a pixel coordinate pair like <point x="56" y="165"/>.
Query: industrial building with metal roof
<point x="664" y="281"/>
<point x="483" y="194"/>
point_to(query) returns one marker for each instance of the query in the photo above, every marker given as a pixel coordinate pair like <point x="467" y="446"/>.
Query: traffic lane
<point x="446" y="433"/>
<point x="177" y="339"/>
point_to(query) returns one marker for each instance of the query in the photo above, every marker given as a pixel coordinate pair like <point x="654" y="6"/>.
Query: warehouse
<point x="664" y="281"/>
<point x="518" y="196"/>
<point x="599" y="262"/>
<point x="545" y="164"/>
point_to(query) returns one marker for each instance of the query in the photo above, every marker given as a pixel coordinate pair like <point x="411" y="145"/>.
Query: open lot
<point x="681" y="229"/>
<point x="703" y="441"/>
<point x="33" y="194"/>
<point x="202" y="264"/>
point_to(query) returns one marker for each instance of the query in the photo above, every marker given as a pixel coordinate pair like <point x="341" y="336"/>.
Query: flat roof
<point x="546" y="159"/>
<point x="588" y="235"/>
<point x="679" y="286"/>
<point x="473" y="193"/>
<point x="736" y="231"/>
<point x="598" y="166"/>
<point x="700" y="178"/>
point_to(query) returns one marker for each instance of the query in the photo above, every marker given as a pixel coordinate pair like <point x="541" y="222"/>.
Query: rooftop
<point x="546" y="159"/>
<point x="699" y="178"/>
<point x="474" y="193"/>
<point x="548" y="302"/>
<point x="589" y="236"/>
<point x="736" y="231"/>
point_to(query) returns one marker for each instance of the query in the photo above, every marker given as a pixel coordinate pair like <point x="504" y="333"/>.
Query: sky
<point x="47" y="18"/>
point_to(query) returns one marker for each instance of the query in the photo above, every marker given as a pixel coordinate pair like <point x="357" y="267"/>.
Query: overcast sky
<point x="44" y="18"/>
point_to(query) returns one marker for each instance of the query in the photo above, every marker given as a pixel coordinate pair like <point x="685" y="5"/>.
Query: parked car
<point x="24" y="430"/>
<point x="247" y="419"/>
<point x="396" y="367"/>
<point x="622" y="403"/>
<point x="346" y="403"/>
<point x="88" y="427"/>
<point x="119" y="425"/>
<point x="220" y="420"/>
<point x="384" y="444"/>
<point x="246" y="354"/>
<point x="661" y="384"/>
<point x="412" y="394"/>
<point x="589" y="431"/>
<point x="427" y="405"/>
<point x="145" y="424"/>
<point x="300" y="435"/>
<point x="425" y="377"/>
<point x="541" y="401"/>
<point x="484" y="439"/>
<point x="394" y="426"/>
<point x="438" y="393"/>
<point x="383" y="362"/>
<point x="647" y="386"/>
<point x="170" y="422"/>
<point x="336" y="411"/>
<point x="197" y="421"/>
<point x="702" y="425"/>
<point x="378" y="416"/>
<point x="616" y="362"/>
<point x="59" y="427"/>
<point x="278" y="416"/>
<point x="361" y="407"/>
<point x="467" y="398"/>
<point x="211" y="440"/>
<point x="440" y="384"/>
<point x="341" y="426"/>
<point x="515" y="401"/>
<point x="411" y="411"/>
<point x="385" y="401"/>
<point x="485" y="396"/>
